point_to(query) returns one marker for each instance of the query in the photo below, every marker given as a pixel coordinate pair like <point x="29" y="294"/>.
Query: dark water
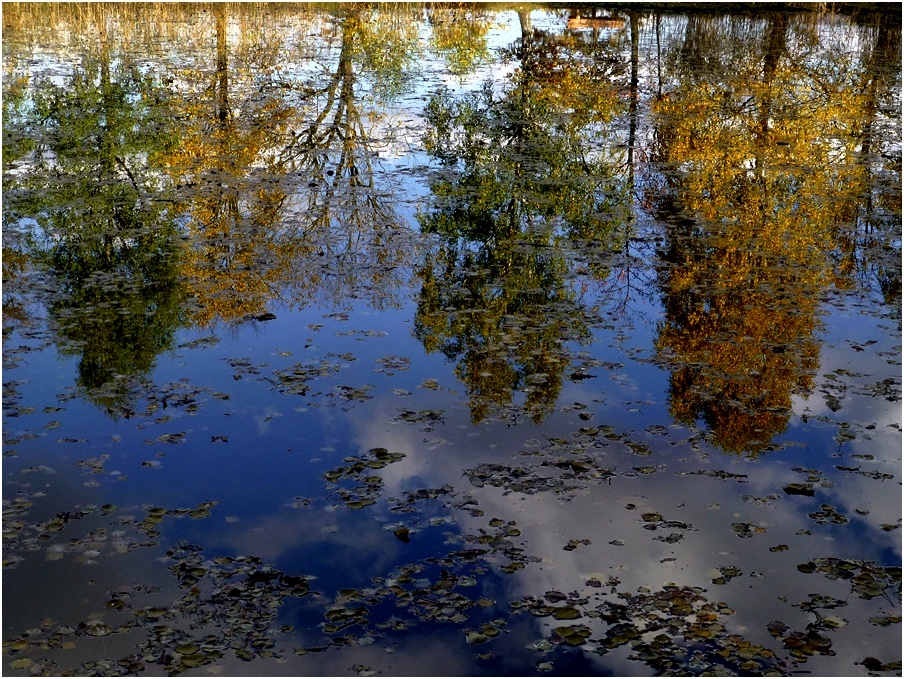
<point x="451" y="340"/>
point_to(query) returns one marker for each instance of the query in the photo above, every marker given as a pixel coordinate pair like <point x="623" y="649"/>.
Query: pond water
<point x="451" y="340"/>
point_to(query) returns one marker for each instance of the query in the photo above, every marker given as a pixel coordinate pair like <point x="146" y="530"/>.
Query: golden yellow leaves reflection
<point x="762" y="179"/>
<point x="276" y="176"/>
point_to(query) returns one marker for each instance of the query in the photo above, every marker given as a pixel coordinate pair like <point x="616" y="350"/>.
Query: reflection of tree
<point x="459" y="36"/>
<point x="229" y="264"/>
<point x="17" y="146"/>
<point x="524" y="174"/>
<point x="15" y="265"/>
<point x="104" y="227"/>
<point x="258" y="233"/>
<point x="507" y="314"/>
<point x="755" y="214"/>
<point x="741" y="334"/>
<point x="347" y="200"/>
<point x="873" y="249"/>
<point x="384" y="43"/>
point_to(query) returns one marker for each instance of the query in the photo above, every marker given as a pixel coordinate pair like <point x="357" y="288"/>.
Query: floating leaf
<point x="800" y="489"/>
<point x="746" y="530"/>
<point x="885" y="620"/>
<point x="876" y="665"/>
<point x="566" y="613"/>
<point x="476" y="637"/>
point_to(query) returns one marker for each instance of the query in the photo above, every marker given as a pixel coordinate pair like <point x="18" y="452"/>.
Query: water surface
<point x="451" y="340"/>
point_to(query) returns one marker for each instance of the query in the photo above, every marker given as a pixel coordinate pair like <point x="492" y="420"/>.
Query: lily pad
<point x="566" y="613"/>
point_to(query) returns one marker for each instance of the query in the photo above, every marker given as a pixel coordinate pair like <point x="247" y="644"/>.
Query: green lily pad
<point x="566" y="613"/>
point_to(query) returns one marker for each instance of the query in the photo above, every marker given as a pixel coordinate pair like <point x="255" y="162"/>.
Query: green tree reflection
<point x="525" y="176"/>
<point x="104" y="225"/>
<point x="459" y="36"/>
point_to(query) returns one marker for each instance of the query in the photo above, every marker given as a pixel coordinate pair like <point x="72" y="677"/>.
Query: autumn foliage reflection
<point x="277" y="172"/>
<point x="758" y="160"/>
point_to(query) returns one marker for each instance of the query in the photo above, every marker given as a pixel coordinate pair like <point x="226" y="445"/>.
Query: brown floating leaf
<point x="800" y="489"/>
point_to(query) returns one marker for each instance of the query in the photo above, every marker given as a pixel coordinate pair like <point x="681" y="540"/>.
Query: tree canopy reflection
<point x="247" y="175"/>
<point x="106" y="227"/>
<point x="277" y="173"/>
<point x="238" y="162"/>
<point x="760" y="181"/>
<point x="525" y="173"/>
<point x="458" y="35"/>
<point x="224" y="177"/>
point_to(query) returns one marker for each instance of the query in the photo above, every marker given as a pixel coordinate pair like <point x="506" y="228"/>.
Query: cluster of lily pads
<point x="230" y="604"/>
<point x="228" y="607"/>
<point x="360" y="469"/>
<point x="868" y="579"/>
<point x="675" y="630"/>
<point x="438" y="589"/>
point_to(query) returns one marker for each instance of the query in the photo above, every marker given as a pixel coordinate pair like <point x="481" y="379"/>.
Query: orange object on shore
<point x="575" y="23"/>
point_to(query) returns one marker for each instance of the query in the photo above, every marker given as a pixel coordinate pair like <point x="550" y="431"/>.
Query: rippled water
<point x="451" y="340"/>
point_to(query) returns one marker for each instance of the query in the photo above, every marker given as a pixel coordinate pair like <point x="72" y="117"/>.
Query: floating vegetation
<point x="413" y="499"/>
<point x="876" y="665"/>
<point x="746" y="530"/>
<point x="296" y="379"/>
<point x="574" y="544"/>
<point x="429" y="417"/>
<point x="726" y="573"/>
<point x="867" y="579"/>
<point x="716" y="473"/>
<point x="359" y="470"/>
<point x="868" y="474"/>
<point x="392" y="364"/>
<point x="227" y="608"/>
<point x="828" y="514"/>
<point x="800" y="489"/>
<point x="23" y="537"/>
<point x="437" y="590"/>
<point x="519" y="479"/>
<point x="390" y="339"/>
<point x="653" y="521"/>
<point x="673" y="630"/>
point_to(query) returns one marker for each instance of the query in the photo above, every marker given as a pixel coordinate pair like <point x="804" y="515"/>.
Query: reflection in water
<point x="506" y="319"/>
<point x="279" y="178"/>
<point x="526" y="275"/>
<point x="232" y="202"/>
<point x="768" y="181"/>
<point x="459" y="36"/>
<point x="106" y="225"/>
<point x="525" y="173"/>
